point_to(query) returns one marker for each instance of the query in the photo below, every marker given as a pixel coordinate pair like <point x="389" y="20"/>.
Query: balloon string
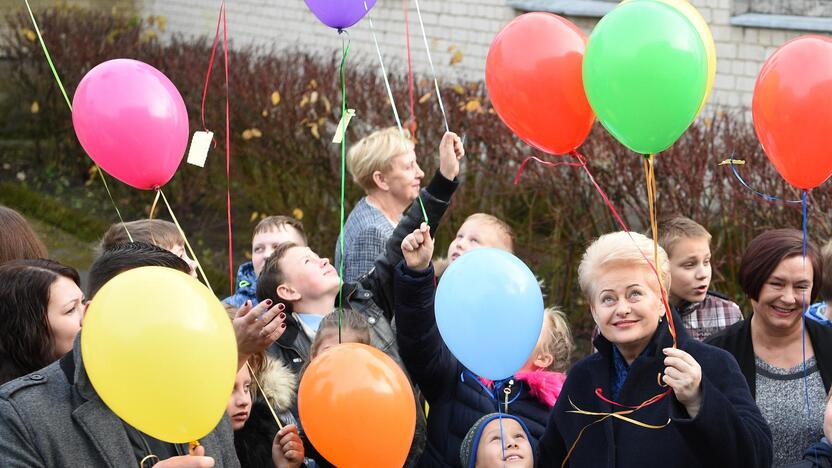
<point x="731" y="161"/>
<point x="650" y="174"/>
<point x="185" y="238"/>
<point x="409" y="70"/>
<point x="69" y="105"/>
<point x="432" y="69"/>
<point x="345" y="50"/>
<point x="265" y="397"/>
<point x="384" y="74"/>
<point x="227" y="150"/>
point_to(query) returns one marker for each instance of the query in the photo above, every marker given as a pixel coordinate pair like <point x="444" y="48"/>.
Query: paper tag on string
<point x="200" y="144"/>
<point x="342" y="125"/>
<point x="732" y="161"/>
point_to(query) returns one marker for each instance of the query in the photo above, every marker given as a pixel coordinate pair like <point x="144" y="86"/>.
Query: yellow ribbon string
<point x="187" y="244"/>
<point x="622" y="415"/>
<point x="260" y="388"/>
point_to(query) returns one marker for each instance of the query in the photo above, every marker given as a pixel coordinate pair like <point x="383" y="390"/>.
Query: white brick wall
<point x="467" y="25"/>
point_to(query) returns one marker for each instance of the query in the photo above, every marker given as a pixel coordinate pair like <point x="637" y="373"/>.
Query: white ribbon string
<point x="432" y="69"/>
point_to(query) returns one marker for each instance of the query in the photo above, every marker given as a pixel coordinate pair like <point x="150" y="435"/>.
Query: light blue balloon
<point x="489" y="310"/>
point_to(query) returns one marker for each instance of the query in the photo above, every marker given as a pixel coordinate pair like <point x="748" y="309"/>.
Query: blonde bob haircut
<point x="622" y="250"/>
<point x="375" y="152"/>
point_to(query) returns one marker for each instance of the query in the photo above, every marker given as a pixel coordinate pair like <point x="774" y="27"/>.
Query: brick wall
<point x="464" y="26"/>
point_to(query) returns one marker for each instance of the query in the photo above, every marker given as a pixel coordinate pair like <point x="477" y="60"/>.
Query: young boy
<point x="478" y="230"/>
<point x="819" y="312"/>
<point x="703" y="312"/>
<point x="268" y="234"/>
<point x="497" y="441"/>
<point x="156" y="232"/>
<point x="308" y="285"/>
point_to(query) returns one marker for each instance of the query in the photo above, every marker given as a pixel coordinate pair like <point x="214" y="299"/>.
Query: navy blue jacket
<point x="456" y="398"/>
<point x="729" y="430"/>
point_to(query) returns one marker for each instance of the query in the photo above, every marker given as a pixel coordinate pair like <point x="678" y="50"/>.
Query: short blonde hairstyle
<point x="375" y="152"/>
<point x="674" y="229"/>
<point x="623" y="249"/>
<point x="557" y="339"/>
<point x="501" y="226"/>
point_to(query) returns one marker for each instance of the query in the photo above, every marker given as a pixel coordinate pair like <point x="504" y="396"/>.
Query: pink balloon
<point x="132" y="122"/>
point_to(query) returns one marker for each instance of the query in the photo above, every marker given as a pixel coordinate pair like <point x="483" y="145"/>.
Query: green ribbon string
<point x="69" y="105"/>
<point x="345" y="50"/>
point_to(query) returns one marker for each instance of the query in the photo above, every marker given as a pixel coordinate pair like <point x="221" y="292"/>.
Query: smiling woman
<point x="786" y="362"/>
<point x="677" y="396"/>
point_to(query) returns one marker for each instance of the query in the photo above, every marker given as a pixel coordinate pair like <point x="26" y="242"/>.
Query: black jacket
<point x="736" y="339"/>
<point x="456" y="398"/>
<point x="729" y="430"/>
<point x="372" y="294"/>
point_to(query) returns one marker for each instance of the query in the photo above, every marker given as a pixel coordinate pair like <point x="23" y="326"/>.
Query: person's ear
<point x="381" y="181"/>
<point x="544" y="360"/>
<point x="288" y="293"/>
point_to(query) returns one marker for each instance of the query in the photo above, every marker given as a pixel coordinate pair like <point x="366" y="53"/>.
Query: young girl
<point x="457" y="398"/>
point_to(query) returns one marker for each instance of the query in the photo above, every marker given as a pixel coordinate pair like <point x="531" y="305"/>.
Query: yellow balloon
<point x="160" y="351"/>
<point x="693" y="15"/>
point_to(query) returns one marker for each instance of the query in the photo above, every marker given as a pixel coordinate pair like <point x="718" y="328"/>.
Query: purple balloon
<point x="340" y="14"/>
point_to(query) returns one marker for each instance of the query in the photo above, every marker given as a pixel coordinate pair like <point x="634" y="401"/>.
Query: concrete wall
<point x="466" y="28"/>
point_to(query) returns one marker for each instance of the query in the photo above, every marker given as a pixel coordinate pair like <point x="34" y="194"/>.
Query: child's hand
<point x="417" y="248"/>
<point x="684" y="376"/>
<point x="450" y="152"/>
<point x="287" y="448"/>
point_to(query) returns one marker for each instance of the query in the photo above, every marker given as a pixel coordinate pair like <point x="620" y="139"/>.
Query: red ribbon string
<point x="409" y="71"/>
<point x="222" y="19"/>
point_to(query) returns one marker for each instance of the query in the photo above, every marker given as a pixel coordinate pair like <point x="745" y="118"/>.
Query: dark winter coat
<point x="728" y="431"/>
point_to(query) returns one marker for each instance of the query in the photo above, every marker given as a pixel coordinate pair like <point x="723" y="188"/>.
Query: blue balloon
<point x="489" y="310"/>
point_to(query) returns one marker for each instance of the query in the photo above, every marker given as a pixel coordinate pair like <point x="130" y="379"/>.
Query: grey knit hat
<point x="468" y="449"/>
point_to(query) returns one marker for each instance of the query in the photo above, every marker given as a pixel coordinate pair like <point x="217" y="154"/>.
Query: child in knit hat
<point x="496" y="441"/>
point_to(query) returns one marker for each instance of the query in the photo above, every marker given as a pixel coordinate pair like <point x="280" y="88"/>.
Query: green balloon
<point x="645" y="72"/>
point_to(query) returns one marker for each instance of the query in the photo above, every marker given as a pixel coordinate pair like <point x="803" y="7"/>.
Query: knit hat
<point x="468" y="449"/>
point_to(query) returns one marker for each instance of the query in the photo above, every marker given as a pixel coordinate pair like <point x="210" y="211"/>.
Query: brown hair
<point x="272" y="223"/>
<point x="273" y="276"/>
<point x="351" y="321"/>
<point x="674" y="229"/>
<point x="766" y="251"/>
<point x="557" y="338"/>
<point x="17" y="238"/>
<point x="826" y="261"/>
<point x="26" y="342"/>
<point x="156" y="232"/>
<point x="496" y="223"/>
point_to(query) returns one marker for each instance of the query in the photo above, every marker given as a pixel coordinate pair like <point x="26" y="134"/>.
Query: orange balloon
<point x="357" y="407"/>
<point x="792" y="110"/>
<point x="535" y="81"/>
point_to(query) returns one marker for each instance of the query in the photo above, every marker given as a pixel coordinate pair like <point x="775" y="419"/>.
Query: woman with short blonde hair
<point x="705" y="415"/>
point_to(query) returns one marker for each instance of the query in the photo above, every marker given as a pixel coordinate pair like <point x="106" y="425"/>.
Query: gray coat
<point x="50" y="420"/>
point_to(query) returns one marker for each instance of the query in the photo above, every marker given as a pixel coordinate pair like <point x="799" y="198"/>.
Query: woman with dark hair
<point x="787" y="361"/>
<point x="41" y="307"/>
<point x="17" y="239"/>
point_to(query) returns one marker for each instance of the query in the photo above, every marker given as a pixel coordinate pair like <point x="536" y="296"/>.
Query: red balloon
<point x="792" y="110"/>
<point x="533" y="74"/>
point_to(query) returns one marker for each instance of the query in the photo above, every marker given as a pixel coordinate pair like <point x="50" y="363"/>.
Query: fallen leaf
<point x="35" y="108"/>
<point x="275" y="98"/>
<point x="456" y="58"/>
<point x="459" y="89"/>
<point x="298" y="214"/>
<point x="253" y="216"/>
<point x="473" y="106"/>
<point x="425" y="97"/>
<point x="29" y="34"/>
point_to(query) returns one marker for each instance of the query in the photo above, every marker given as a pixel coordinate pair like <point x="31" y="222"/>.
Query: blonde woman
<point x="384" y="165"/>
<point x="707" y="419"/>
